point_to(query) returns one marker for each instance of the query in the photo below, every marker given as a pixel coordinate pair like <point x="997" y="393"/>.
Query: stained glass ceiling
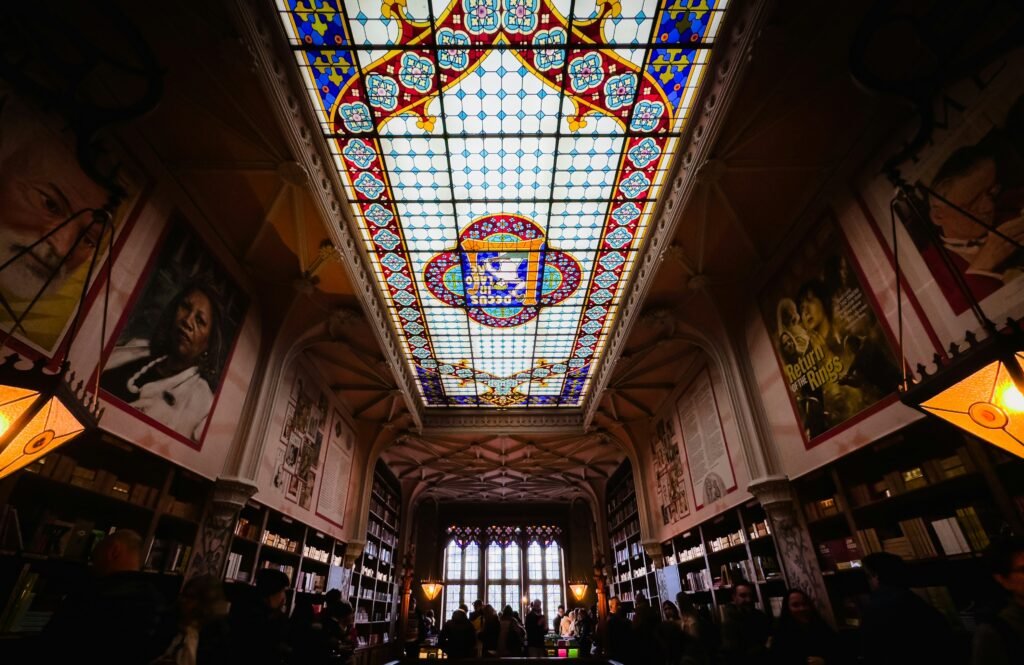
<point x="502" y="159"/>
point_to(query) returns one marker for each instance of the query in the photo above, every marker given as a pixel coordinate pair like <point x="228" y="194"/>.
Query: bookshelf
<point x="54" y="511"/>
<point x="731" y="546"/>
<point x="375" y="579"/>
<point x="375" y="576"/>
<point x="633" y="572"/>
<point x="928" y="494"/>
<point x="266" y="538"/>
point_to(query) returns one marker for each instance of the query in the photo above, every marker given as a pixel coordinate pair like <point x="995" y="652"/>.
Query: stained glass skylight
<point x="502" y="159"/>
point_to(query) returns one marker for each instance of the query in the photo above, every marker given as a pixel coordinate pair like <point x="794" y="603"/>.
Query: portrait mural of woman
<point x="42" y="184"/>
<point x="834" y="355"/>
<point x="172" y="350"/>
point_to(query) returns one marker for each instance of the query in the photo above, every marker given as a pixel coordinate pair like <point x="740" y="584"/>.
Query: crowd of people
<point x="121" y="615"/>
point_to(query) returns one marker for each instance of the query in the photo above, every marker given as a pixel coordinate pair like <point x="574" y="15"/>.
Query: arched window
<point x="504" y="579"/>
<point x="544" y="576"/>
<point x="461" y="576"/>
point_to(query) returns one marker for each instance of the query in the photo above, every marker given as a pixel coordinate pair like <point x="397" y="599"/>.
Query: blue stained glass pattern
<point x="503" y="174"/>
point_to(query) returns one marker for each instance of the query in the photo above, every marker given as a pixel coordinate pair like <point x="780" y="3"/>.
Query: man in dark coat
<point x="458" y="637"/>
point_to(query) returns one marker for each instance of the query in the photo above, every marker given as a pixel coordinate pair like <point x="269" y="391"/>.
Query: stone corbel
<point x="353" y="549"/>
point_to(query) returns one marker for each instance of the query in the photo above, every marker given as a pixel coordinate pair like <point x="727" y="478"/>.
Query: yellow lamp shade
<point x="579" y="590"/>
<point x="987" y="403"/>
<point x="431" y="589"/>
<point x="32" y="423"/>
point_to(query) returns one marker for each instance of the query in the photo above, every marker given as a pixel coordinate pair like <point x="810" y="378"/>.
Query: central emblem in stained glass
<point x="503" y="272"/>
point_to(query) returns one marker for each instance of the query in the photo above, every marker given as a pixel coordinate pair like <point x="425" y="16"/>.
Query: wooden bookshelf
<point x="54" y="512"/>
<point x="375" y="575"/>
<point x="929" y="494"/>
<point x="633" y="572"/>
<point x="731" y="546"/>
<point x="265" y="538"/>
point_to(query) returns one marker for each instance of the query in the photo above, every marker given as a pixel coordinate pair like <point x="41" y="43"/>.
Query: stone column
<point x="799" y="561"/>
<point x="210" y="554"/>
<point x="407" y="577"/>
<point x="600" y="588"/>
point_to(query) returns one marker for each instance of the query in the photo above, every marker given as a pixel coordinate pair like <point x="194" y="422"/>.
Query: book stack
<point x="961" y="534"/>
<point x="916" y="534"/>
<point x="736" y="571"/>
<point x="729" y="540"/>
<point x="760" y="530"/>
<point x="695" y="552"/>
<point x="976" y="534"/>
<point x="698" y="580"/>
<point x="766" y="568"/>
<point x="311" y="582"/>
<point x="315" y="553"/>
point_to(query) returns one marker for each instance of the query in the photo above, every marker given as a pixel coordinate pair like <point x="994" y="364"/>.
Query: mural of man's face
<point x="973" y="191"/>
<point x="41" y="185"/>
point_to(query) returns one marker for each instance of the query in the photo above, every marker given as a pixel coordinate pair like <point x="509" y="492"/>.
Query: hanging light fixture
<point x="40" y="408"/>
<point x="431" y="588"/>
<point x="979" y="387"/>
<point x="579" y="589"/>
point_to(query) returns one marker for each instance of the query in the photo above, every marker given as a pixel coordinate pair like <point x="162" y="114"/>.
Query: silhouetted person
<point x="458" y="637"/>
<point x="536" y="625"/>
<point x="897" y="625"/>
<point x="511" y="634"/>
<point x="490" y="631"/>
<point x="698" y="626"/>
<point x="801" y="636"/>
<point x="1000" y="639"/>
<point x="745" y="629"/>
<point x="118" y="616"/>
<point x="646" y="645"/>
<point x="259" y="626"/>
<point x="618" y="633"/>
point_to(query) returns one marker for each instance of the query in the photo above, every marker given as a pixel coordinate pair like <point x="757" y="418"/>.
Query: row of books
<point x="960" y="534"/>
<point x="633" y="549"/>
<point x="627" y="509"/>
<point x="766" y="568"/>
<point x="735" y="571"/>
<point x="822" y="508"/>
<point x="691" y="554"/>
<point x="759" y="530"/>
<point x="697" y="580"/>
<point x="929" y="472"/>
<point x="246" y="529"/>
<point x="375" y="529"/>
<point x="287" y="569"/>
<point x="280" y="542"/>
<point x="384" y="512"/>
<point x="315" y="553"/>
<point x="62" y="539"/>
<point x="376" y="596"/>
<point x="623" y="492"/>
<point x="234" y="569"/>
<point x="387" y="496"/>
<point x="311" y="582"/>
<point x="169" y="556"/>
<point x="372" y="639"/>
<point x="728" y="540"/>
<point x="65" y="469"/>
<point x="629" y="529"/>
<point x="373" y="551"/>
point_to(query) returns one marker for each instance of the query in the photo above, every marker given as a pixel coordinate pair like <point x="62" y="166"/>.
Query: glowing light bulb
<point x="1011" y="399"/>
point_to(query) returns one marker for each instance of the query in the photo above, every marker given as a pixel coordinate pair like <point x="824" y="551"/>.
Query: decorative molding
<point x="233" y="492"/>
<point x="695" y="148"/>
<point x="353" y="550"/>
<point x="652" y="548"/>
<point x="502" y="421"/>
<point x="272" y="60"/>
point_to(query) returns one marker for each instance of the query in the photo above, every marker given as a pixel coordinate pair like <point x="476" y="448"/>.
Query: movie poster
<point x="834" y="356"/>
<point x="42" y="186"/>
<point x="175" y="340"/>
<point x="974" y="168"/>
<point x="669" y="470"/>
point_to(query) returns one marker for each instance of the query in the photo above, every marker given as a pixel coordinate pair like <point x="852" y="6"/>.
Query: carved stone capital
<point x="231" y="493"/>
<point x="653" y="550"/>
<point x="772" y="490"/>
<point x="353" y="549"/>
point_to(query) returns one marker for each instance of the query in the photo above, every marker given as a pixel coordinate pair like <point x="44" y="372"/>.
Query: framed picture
<point x="835" y="356"/>
<point x="176" y="337"/>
